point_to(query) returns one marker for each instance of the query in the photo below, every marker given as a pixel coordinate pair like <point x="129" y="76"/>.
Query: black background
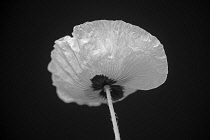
<point x="31" y="108"/>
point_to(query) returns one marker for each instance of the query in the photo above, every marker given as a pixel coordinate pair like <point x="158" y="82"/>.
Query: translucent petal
<point x="121" y="51"/>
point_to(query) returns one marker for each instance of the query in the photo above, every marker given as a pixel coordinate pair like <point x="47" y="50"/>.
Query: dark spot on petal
<point x="100" y="81"/>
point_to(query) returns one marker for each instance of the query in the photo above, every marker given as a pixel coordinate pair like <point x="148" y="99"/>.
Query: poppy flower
<point x="106" y="56"/>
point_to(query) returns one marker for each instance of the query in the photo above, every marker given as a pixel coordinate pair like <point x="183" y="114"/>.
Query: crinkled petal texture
<point x="125" y="53"/>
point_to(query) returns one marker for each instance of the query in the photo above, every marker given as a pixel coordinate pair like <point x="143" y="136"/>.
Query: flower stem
<point x="113" y="117"/>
